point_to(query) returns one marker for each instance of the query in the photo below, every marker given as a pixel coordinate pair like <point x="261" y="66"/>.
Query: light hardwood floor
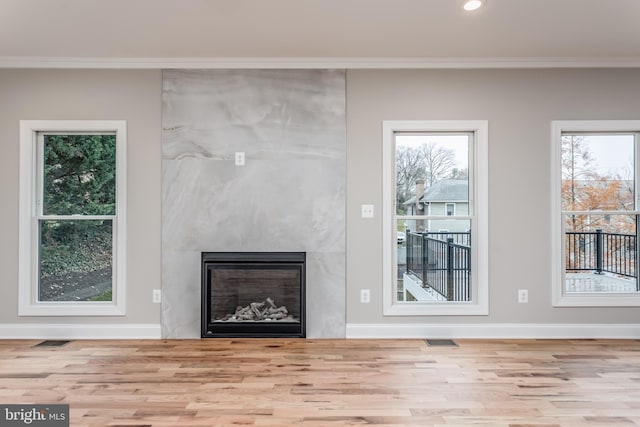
<point x="276" y="382"/>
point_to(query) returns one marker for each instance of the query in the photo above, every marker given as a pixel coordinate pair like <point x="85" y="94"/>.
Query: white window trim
<point x="27" y="292"/>
<point x="558" y="296"/>
<point x="478" y="206"/>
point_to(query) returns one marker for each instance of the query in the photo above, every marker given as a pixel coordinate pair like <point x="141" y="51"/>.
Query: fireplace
<point x="253" y="294"/>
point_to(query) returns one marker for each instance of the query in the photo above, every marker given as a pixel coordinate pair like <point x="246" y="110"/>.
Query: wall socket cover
<point x="523" y="296"/>
<point x="367" y="211"/>
<point x="157" y="296"/>
<point x="239" y="158"/>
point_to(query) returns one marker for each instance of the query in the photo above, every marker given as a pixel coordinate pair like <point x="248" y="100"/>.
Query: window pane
<point x="451" y="209"/>
<point x="432" y="170"/>
<point x="600" y="253"/>
<point x="79" y="175"/>
<point x="598" y="172"/>
<point x="434" y="266"/>
<point x="76" y="260"/>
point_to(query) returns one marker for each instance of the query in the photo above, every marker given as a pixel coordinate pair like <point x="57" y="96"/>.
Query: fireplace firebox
<point x="253" y="294"/>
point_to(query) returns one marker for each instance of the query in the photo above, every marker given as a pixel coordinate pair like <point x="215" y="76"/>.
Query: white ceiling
<point x="365" y="31"/>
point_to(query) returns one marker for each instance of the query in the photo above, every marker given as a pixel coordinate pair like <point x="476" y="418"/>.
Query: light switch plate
<point x="239" y="158"/>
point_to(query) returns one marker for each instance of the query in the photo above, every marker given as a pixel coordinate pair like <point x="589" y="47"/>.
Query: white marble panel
<point x="180" y="289"/>
<point x="326" y="269"/>
<point x="289" y="196"/>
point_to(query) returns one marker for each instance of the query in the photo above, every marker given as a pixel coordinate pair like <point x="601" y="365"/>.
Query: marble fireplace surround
<point x="288" y="197"/>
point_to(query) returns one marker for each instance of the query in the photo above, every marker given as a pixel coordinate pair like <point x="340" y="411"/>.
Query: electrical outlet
<point x="365" y="296"/>
<point x="157" y="296"/>
<point x="239" y="158"/>
<point x="367" y="211"/>
<point x="523" y="296"/>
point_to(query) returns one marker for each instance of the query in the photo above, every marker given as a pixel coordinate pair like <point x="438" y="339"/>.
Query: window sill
<point x="71" y="309"/>
<point x="435" y="309"/>
<point x="597" y="300"/>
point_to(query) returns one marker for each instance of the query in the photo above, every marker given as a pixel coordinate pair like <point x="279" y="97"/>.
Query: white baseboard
<point x="364" y="330"/>
<point x="494" y="330"/>
<point x="80" y="332"/>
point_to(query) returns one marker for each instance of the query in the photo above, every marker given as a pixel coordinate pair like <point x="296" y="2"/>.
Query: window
<point x="72" y="218"/>
<point x="451" y="209"/>
<point x="595" y="213"/>
<point x="435" y="193"/>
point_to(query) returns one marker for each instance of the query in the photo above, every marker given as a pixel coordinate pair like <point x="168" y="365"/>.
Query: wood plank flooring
<point x="277" y="382"/>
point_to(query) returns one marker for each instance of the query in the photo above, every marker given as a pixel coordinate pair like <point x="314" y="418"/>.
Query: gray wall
<point x="133" y="96"/>
<point x="519" y="105"/>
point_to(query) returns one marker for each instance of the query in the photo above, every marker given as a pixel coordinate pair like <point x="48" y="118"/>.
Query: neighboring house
<point x="449" y="197"/>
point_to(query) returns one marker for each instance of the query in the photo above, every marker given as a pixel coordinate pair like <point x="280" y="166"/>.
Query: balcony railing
<point x="601" y="253"/>
<point x="442" y="261"/>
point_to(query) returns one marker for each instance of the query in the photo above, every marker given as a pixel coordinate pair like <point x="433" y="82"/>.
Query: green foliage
<point x="74" y="246"/>
<point x="79" y="175"/>
<point x="107" y="296"/>
<point x="79" y="178"/>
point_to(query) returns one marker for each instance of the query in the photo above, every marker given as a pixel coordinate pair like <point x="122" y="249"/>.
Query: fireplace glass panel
<point x="255" y="293"/>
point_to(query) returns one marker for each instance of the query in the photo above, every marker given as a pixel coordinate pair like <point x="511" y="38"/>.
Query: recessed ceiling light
<point x="472" y="4"/>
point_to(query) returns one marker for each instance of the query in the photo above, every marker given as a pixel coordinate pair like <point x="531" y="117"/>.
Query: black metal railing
<point x="442" y="261"/>
<point x="601" y="252"/>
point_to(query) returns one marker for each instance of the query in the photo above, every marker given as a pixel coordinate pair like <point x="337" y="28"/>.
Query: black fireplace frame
<point x="251" y="329"/>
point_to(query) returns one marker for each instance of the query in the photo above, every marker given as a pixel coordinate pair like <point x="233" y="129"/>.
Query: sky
<point x="459" y="144"/>
<point x="611" y="153"/>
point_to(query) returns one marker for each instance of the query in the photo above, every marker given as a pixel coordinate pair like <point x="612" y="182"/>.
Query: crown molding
<point x="311" y="63"/>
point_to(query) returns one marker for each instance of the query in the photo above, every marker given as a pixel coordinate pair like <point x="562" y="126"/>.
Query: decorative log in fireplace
<point x="253" y="294"/>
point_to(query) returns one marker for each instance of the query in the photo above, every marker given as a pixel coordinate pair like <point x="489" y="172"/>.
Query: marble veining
<point x="290" y="195"/>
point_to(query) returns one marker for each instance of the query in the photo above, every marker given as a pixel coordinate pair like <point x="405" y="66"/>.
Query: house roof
<point x="447" y="190"/>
